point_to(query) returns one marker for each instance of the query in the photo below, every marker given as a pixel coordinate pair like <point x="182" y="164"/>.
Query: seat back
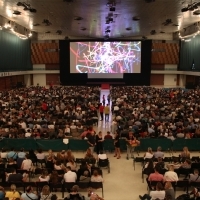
<point x="103" y="162"/>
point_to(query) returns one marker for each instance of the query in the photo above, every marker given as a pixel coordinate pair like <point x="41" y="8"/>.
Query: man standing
<point x="101" y="110"/>
<point x="107" y="112"/>
<point x="92" y="141"/>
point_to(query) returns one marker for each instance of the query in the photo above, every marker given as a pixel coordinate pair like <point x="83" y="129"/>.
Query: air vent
<point x="78" y="18"/>
<point x="83" y="28"/>
<point x="36" y="24"/>
<point x="153" y="32"/>
<point x="135" y="18"/>
<point x="128" y="29"/>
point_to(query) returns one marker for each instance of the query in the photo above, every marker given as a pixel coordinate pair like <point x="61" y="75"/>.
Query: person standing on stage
<point x="103" y="100"/>
<point x="108" y="99"/>
<point x="107" y="112"/>
<point x="101" y="110"/>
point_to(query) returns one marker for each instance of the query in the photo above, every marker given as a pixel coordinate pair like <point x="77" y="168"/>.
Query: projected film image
<point x="105" y="57"/>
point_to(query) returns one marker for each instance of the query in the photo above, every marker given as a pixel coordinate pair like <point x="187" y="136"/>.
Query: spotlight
<point x="184" y="9"/>
<point x="110" y="19"/>
<point x="33" y="10"/>
<point x="112" y="9"/>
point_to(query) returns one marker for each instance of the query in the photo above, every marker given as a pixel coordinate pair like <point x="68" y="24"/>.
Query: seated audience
<point x="159" y="153"/>
<point x="85" y="177"/>
<point x="27" y="164"/>
<point x="46" y="193"/>
<point x="30" y="194"/>
<point x="58" y="165"/>
<point x="156" y="176"/>
<point x="2" y="193"/>
<point x="13" y="193"/>
<point x="16" y="177"/>
<point x="96" y="177"/>
<point x="89" y="155"/>
<point x="185" y="154"/>
<point x="74" y="194"/>
<point x="71" y="163"/>
<point x="70" y="176"/>
<point x="55" y="177"/>
<point x="170" y="175"/>
<point x="159" y="193"/>
<point x="148" y="154"/>
<point x="169" y="191"/>
<point x="195" y="176"/>
<point x="44" y="176"/>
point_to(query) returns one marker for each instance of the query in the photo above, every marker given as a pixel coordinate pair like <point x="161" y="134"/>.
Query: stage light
<point x="112" y="9"/>
<point x="184" y="9"/>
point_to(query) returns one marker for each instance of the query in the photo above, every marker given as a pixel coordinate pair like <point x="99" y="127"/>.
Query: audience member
<point x="70" y="176"/>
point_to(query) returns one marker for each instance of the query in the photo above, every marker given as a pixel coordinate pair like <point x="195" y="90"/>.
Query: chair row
<point x="185" y="184"/>
<point x="66" y="186"/>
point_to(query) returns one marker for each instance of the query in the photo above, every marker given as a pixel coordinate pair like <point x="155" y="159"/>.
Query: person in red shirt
<point x="108" y="136"/>
<point x="44" y="106"/>
<point x="101" y="110"/>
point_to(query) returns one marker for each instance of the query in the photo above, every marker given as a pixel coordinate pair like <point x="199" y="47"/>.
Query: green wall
<point x="15" y="53"/>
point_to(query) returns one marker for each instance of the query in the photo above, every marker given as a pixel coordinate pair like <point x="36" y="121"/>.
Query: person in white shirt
<point x="3" y="154"/>
<point x="44" y="177"/>
<point x="70" y="176"/>
<point x="170" y="175"/>
<point x="28" y="133"/>
<point x="148" y="154"/>
<point x="27" y="163"/>
<point x="159" y="193"/>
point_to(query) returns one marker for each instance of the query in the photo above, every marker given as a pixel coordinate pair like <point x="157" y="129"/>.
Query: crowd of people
<point x="165" y="175"/>
<point x="155" y="112"/>
<point x="53" y="168"/>
<point x="57" y="112"/>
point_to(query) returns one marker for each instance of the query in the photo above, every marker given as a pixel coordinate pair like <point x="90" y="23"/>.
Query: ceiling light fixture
<point x="191" y="7"/>
<point x="27" y="6"/>
<point x="16" y="12"/>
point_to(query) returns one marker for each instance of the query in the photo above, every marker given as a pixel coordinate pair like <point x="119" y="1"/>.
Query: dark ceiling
<point x="100" y="18"/>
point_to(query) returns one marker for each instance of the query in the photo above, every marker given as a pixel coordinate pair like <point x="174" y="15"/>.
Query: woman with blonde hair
<point x="96" y="177"/>
<point x="69" y="155"/>
<point x="46" y="193"/>
<point x="148" y="154"/>
<point x="13" y="193"/>
<point x="185" y="153"/>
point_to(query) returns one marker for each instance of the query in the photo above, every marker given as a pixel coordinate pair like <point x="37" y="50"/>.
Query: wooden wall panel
<point x="53" y="78"/>
<point x="2" y="83"/>
<point x="157" y="79"/>
<point x="45" y="53"/>
<point x="165" y="53"/>
<point x="52" y="67"/>
<point x="157" y="67"/>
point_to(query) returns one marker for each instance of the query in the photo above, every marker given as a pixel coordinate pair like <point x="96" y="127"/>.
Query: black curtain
<point x="190" y="55"/>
